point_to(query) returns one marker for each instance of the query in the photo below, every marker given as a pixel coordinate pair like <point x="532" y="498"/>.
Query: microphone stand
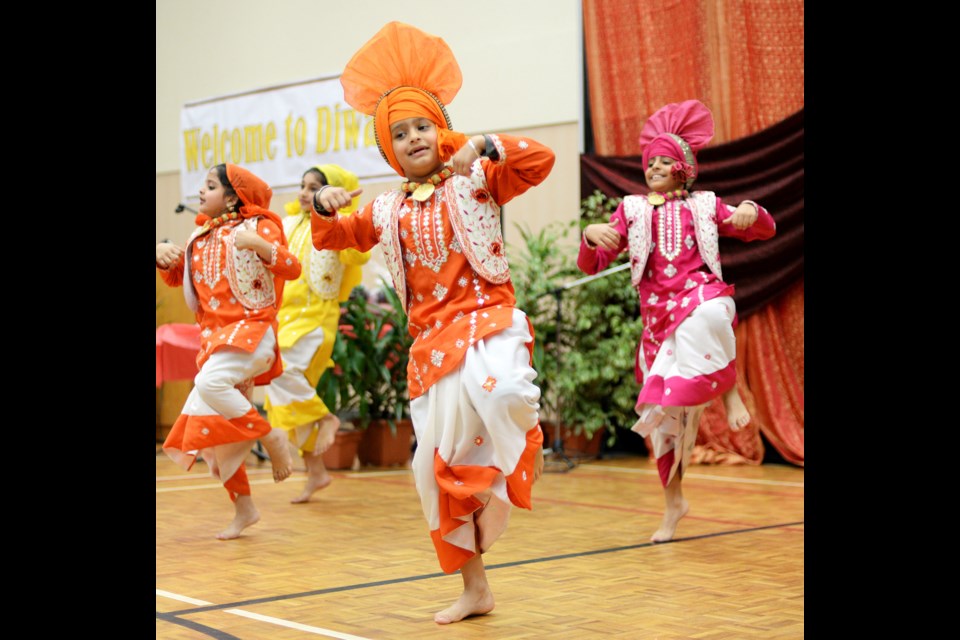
<point x="556" y="449"/>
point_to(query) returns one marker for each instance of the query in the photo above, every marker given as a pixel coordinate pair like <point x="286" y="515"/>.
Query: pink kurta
<point x="675" y="282"/>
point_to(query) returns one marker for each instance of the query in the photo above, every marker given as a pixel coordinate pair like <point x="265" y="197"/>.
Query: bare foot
<point x="328" y="432"/>
<point x="737" y="415"/>
<point x="275" y="443"/>
<point x="470" y="604"/>
<point x="317" y="478"/>
<point x="246" y="515"/>
<point x="670" y="520"/>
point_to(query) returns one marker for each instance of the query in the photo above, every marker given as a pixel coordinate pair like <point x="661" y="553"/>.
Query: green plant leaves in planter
<point x="369" y="379"/>
<point x="586" y="365"/>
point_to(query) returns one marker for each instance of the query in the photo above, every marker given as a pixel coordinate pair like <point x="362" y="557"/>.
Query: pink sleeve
<point x="593" y="260"/>
<point x="763" y="229"/>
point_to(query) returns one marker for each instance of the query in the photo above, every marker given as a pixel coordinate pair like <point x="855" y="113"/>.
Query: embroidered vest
<point x="322" y="268"/>
<point x="639" y="215"/>
<point x="475" y="223"/>
<point x="250" y="281"/>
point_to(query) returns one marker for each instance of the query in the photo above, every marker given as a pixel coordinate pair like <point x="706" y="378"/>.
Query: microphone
<point x="181" y="207"/>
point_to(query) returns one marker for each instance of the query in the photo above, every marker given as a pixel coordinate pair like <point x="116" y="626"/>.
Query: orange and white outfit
<point x="234" y="295"/>
<point x="308" y="319"/>
<point x="473" y="402"/>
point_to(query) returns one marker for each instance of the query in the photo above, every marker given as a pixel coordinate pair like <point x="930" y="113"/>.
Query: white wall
<point x="520" y="58"/>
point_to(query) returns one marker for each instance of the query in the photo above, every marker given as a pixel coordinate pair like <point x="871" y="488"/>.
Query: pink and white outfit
<point x="687" y="353"/>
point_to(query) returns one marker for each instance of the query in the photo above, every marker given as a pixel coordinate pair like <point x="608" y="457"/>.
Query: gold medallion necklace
<point x="422" y="190"/>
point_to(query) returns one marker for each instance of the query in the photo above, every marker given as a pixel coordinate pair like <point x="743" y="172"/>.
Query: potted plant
<point x="538" y="275"/>
<point x="597" y="379"/>
<point x="368" y="385"/>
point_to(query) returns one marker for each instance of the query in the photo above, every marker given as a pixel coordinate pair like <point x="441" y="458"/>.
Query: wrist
<point x="317" y="206"/>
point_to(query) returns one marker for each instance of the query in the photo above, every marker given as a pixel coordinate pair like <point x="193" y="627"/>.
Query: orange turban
<point x="403" y="72"/>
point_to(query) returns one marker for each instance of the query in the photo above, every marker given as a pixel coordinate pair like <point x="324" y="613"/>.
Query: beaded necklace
<point x="423" y="190"/>
<point x="669" y="228"/>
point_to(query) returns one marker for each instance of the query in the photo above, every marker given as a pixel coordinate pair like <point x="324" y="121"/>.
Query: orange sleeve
<point x="337" y="232"/>
<point x="522" y="163"/>
<point x="287" y="265"/>
<point x="173" y="276"/>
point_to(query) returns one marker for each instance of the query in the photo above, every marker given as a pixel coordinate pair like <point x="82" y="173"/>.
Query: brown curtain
<point x="742" y="58"/>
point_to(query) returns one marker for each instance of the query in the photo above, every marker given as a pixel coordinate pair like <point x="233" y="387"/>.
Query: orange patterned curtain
<point x="770" y="381"/>
<point x="742" y="58"/>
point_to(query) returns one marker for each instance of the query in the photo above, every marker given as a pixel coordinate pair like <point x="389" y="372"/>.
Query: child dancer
<point x="686" y="356"/>
<point x="309" y="316"/>
<point x="473" y="403"/>
<point x="232" y="274"/>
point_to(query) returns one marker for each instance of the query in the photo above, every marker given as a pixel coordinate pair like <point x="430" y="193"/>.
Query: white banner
<point x="278" y="133"/>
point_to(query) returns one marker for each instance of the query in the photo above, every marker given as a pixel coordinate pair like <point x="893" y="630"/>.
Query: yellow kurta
<point x="311" y="303"/>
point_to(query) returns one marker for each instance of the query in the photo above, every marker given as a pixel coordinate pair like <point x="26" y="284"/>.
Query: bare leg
<point x="328" y="425"/>
<point x="277" y="448"/>
<point x="737" y="415"/>
<point x="246" y="514"/>
<point x="677" y="507"/>
<point x="317" y="477"/>
<point x="476" y="599"/>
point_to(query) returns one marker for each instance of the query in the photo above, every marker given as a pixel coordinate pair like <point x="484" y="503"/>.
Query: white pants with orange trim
<point x="472" y="432"/>
<point x="216" y="392"/>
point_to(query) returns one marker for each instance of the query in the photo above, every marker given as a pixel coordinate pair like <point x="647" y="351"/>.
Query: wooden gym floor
<point x="357" y="561"/>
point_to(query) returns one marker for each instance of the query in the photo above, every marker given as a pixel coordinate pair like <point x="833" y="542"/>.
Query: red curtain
<point x="742" y="58"/>
<point x="770" y="381"/>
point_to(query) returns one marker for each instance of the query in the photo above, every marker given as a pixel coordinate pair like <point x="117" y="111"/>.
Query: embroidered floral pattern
<point x="460" y="343"/>
<point x="670" y="271"/>
<point x="478" y="440"/>
<point x="436" y="358"/>
<point x="214" y="303"/>
<point x="326" y="273"/>
<point x="639" y="216"/>
<point x="489" y="384"/>
<point x="688" y="241"/>
<point x="427" y="227"/>
<point x="463" y="281"/>
<point x="249" y="279"/>
<point x="440" y="292"/>
<point x="478" y="226"/>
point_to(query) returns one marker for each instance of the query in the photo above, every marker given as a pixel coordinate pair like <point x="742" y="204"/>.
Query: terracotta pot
<point x="343" y="451"/>
<point x="573" y="444"/>
<point x="380" y="447"/>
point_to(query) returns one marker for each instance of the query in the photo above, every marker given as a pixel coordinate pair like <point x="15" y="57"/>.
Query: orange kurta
<point x="223" y="320"/>
<point x="449" y="305"/>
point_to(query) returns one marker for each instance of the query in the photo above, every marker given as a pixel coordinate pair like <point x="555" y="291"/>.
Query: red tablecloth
<point x="177" y="348"/>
